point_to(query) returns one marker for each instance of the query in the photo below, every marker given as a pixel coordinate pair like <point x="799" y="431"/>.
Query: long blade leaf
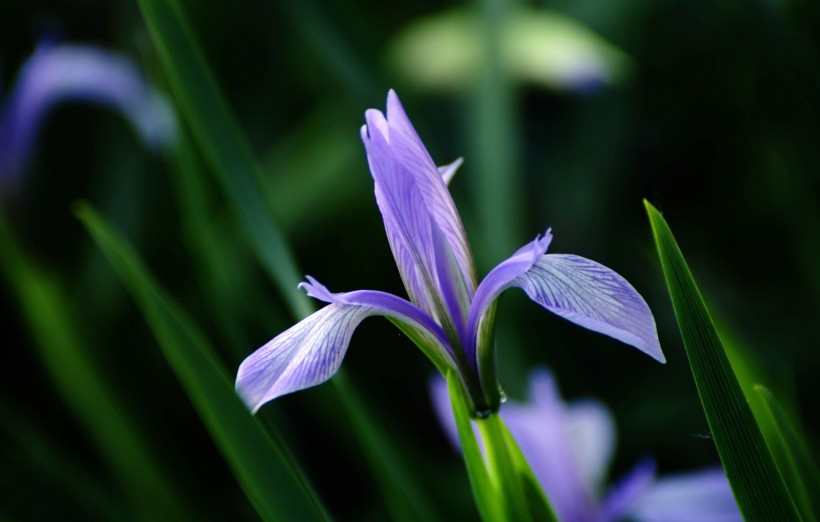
<point x="64" y="352"/>
<point x="273" y="483"/>
<point x="792" y="456"/>
<point x="219" y="138"/>
<point x="758" y="487"/>
<point x="217" y="134"/>
<point x="537" y="501"/>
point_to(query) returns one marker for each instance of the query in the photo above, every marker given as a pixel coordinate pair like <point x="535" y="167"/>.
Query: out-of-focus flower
<point x="445" y="51"/>
<point x="66" y="72"/>
<point x="569" y="447"/>
<point x="449" y="316"/>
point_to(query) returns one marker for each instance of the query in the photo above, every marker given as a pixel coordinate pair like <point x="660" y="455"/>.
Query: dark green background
<point x="718" y="126"/>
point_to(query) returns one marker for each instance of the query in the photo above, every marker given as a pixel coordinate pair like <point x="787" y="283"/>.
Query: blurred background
<point x="567" y="113"/>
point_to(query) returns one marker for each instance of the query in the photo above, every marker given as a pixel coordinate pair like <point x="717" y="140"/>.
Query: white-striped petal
<point x="417" y="208"/>
<point x="311" y="351"/>
<point x="593" y="296"/>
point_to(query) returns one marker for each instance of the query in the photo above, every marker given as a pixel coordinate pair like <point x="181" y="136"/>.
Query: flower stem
<point x="503" y="484"/>
<point x="502" y="468"/>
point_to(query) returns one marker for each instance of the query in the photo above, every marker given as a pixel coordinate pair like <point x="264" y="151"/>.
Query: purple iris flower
<point x="570" y="446"/>
<point x="57" y="73"/>
<point x="449" y="315"/>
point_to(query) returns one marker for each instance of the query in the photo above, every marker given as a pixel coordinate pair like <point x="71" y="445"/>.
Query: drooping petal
<point x="575" y="288"/>
<point x="310" y="352"/>
<point x="593" y="296"/>
<point x="74" y="72"/>
<point x="416" y="206"/>
<point x="499" y="279"/>
<point x="704" y="496"/>
<point x="304" y="355"/>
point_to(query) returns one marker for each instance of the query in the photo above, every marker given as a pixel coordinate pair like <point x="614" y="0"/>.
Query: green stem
<point x="503" y="484"/>
<point x="500" y="460"/>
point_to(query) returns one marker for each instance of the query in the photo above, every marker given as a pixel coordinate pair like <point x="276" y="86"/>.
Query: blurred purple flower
<point x="63" y="72"/>
<point x="570" y="446"/>
<point x="449" y="316"/>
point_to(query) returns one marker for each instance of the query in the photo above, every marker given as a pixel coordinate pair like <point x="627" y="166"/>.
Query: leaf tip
<point x="650" y="208"/>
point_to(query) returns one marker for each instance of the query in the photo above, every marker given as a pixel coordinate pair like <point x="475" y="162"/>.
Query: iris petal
<point x="592" y="430"/>
<point x="593" y="296"/>
<point x="543" y="432"/>
<point x="498" y="280"/>
<point x="704" y="496"/>
<point x="448" y="171"/>
<point x="628" y="490"/>
<point x="575" y="288"/>
<point x="416" y="206"/>
<point x="84" y="73"/>
<point x="412" y="154"/>
<point x="310" y="352"/>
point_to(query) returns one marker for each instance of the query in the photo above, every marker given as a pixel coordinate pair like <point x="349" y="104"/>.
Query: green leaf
<point x="63" y="350"/>
<point x="220" y="140"/>
<point x="792" y="456"/>
<point x="750" y="468"/>
<point x="503" y="471"/>
<point x="524" y="498"/>
<point x="539" y="506"/>
<point x="219" y="267"/>
<point x="215" y="130"/>
<point x="486" y="494"/>
<point x="273" y="482"/>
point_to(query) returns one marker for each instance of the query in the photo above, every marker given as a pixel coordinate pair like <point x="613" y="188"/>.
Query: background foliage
<point x="715" y="121"/>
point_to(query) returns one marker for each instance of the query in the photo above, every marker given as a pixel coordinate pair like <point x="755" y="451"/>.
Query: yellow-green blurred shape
<point x="444" y="52"/>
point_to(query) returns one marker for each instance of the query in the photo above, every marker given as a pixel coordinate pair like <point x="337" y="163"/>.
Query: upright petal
<point x="412" y="154"/>
<point x="310" y="352"/>
<point x="704" y="496"/>
<point x="74" y="72"/>
<point x="592" y="431"/>
<point x="413" y="198"/>
<point x="448" y="171"/>
<point x="406" y="221"/>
